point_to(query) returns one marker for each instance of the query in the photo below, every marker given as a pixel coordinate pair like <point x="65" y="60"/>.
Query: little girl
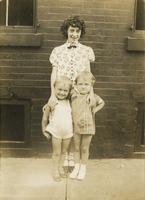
<point x="84" y="121"/>
<point x="57" y="122"/>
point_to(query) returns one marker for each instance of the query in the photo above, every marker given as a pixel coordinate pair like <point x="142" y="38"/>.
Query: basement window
<point x="14" y="122"/>
<point x="140" y="129"/>
<point x="17" y="12"/>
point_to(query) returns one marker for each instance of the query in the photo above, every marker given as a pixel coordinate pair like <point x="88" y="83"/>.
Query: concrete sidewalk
<point x="107" y="179"/>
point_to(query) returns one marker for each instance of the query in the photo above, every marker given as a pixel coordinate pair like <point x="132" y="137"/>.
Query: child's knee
<point x="64" y="151"/>
<point x="77" y="148"/>
<point x="84" y="149"/>
<point x="56" y="153"/>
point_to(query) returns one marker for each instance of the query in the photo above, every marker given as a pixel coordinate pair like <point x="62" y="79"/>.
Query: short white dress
<point x="60" y="121"/>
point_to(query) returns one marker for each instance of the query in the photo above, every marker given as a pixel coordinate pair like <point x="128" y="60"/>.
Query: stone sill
<point x="135" y="44"/>
<point x="20" y="40"/>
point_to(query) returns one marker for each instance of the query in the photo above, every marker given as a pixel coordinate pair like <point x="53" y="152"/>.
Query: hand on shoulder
<point x="52" y="102"/>
<point x="74" y="92"/>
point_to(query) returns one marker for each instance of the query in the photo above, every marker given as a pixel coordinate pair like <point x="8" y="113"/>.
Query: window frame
<point x="135" y="20"/>
<point x="22" y="36"/>
<point x="136" y="41"/>
<point x="13" y="28"/>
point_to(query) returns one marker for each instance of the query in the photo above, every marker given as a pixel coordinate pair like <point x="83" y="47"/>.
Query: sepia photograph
<point x="72" y="99"/>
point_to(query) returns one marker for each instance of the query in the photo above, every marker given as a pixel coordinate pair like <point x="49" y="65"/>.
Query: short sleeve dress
<point x="71" y="61"/>
<point x="82" y="114"/>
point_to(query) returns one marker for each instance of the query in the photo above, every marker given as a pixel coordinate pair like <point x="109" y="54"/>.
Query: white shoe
<point x="75" y="171"/>
<point x="71" y="160"/>
<point x="82" y="172"/>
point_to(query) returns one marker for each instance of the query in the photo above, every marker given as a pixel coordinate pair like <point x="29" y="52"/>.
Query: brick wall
<point x="118" y="72"/>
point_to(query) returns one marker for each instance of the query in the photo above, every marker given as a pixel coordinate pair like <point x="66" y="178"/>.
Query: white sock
<point x="65" y="163"/>
<point x="71" y="156"/>
<point x="82" y="172"/>
<point x="66" y="155"/>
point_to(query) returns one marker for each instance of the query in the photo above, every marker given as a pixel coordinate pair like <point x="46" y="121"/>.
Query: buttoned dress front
<point x="82" y="114"/>
<point x="71" y="61"/>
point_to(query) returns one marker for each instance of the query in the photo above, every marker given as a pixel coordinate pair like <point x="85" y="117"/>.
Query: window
<point x="17" y="12"/>
<point x="14" y="122"/>
<point x="140" y="15"/>
<point x="137" y="40"/>
<point x="140" y="128"/>
<point x="17" y="17"/>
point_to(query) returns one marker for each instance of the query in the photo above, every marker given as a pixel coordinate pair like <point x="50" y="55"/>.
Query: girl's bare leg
<point x="71" y="151"/>
<point x="56" y="145"/>
<point x="86" y="140"/>
<point x="65" y="146"/>
<point x="69" y="156"/>
<point x="77" y="142"/>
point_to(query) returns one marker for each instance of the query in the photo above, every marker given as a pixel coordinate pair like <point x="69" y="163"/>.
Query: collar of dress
<point x="68" y="44"/>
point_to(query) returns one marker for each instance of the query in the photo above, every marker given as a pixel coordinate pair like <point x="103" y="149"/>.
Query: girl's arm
<point x="53" y="79"/>
<point x="52" y="99"/>
<point x="44" y="122"/>
<point x="100" y="104"/>
<point x="91" y="98"/>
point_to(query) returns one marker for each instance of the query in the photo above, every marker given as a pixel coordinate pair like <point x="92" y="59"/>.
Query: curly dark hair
<point x="73" y="21"/>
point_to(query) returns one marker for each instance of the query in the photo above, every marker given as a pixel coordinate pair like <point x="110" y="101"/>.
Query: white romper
<point x="60" y="120"/>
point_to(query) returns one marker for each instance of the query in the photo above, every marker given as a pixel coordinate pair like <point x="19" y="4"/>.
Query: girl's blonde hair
<point x="86" y="76"/>
<point x="63" y="79"/>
